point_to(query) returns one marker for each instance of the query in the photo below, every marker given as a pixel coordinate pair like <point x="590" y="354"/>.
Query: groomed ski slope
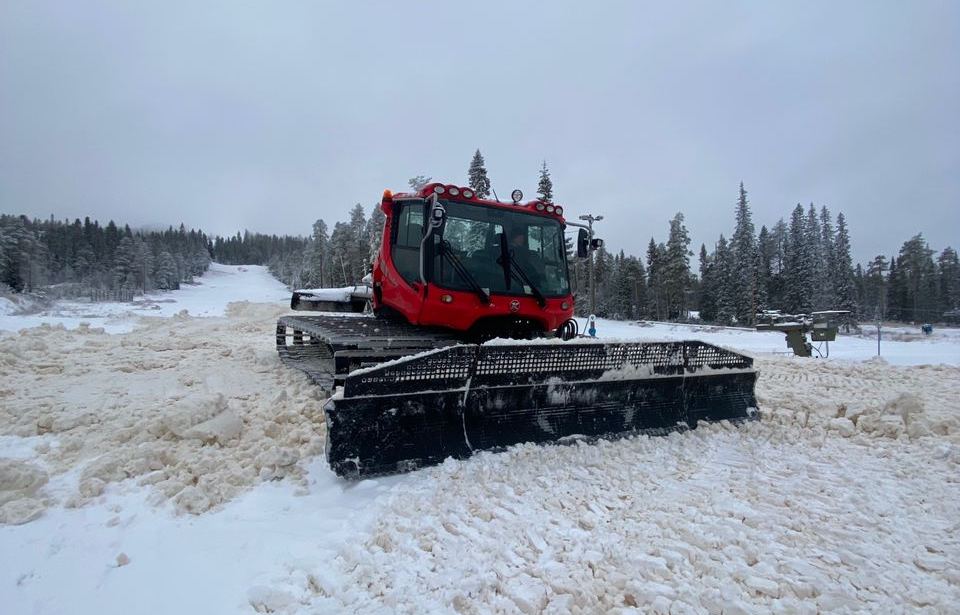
<point x="177" y="467"/>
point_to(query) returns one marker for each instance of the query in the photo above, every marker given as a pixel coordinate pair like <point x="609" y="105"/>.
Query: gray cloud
<point x="269" y="115"/>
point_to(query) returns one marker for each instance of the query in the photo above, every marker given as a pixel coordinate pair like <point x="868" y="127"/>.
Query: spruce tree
<point x="655" y="290"/>
<point x="843" y="277"/>
<point x="315" y="271"/>
<point x="477" y="176"/>
<point x="417" y="183"/>
<point x="918" y="278"/>
<point x="766" y="252"/>
<point x="798" y="277"/>
<point x="948" y="269"/>
<point x="708" y="294"/>
<point x="676" y="270"/>
<point x="375" y="227"/>
<point x="165" y="272"/>
<point x="828" y="294"/>
<point x="815" y="259"/>
<point x="545" y="184"/>
<point x="875" y="287"/>
<point x="744" y="252"/>
<point x="725" y="288"/>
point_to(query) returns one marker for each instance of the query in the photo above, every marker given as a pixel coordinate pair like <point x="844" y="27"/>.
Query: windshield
<point x="473" y="234"/>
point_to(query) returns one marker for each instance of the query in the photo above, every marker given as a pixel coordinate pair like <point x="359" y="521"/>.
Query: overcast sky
<point x="269" y="115"/>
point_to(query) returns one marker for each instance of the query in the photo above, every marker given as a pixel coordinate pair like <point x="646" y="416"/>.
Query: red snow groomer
<point x="424" y="377"/>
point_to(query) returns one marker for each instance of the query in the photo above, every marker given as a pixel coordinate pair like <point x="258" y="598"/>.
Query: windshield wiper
<point x="521" y="275"/>
<point x="447" y="252"/>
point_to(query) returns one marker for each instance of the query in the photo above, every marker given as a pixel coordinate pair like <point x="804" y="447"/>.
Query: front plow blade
<point x="454" y="401"/>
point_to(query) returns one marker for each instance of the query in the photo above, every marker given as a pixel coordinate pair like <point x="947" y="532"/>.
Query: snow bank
<point x="197" y="409"/>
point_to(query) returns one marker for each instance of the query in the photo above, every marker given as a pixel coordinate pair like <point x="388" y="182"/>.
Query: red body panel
<point x="421" y="304"/>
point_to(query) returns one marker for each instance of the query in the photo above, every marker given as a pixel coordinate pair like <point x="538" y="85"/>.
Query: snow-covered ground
<point x="219" y="286"/>
<point x="899" y="345"/>
<point x="177" y="467"/>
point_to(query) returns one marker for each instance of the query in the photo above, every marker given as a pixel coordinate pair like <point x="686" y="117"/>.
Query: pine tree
<point x="545" y="185"/>
<point x="358" y="252"/>
<point x="828" y="294"/>
<point x="316" y="259"/>
<point x="375" y="226"/>
<point x="477" y="176"/>
<point x="813" y="239"/>
<point x="656" y="298"/>
<point x="744" y="251"/>
<point x="676" y="270"/>
<point x="843" y="277"/>
<point x="948" y="269"/>
<point x="798" y="278"/>
<point x="724" y="285"/>
<point x="638" y="281"/>
<point x="418" y="182"/>
<point x="602" y="274"/>
<point x="896" y="300"/>
<point x="708" y="294"/>
<point x="875" y="287"/>
<point x="766" y="252"/>
<point x="165" y="272"/>
<point x="918" y="276"/>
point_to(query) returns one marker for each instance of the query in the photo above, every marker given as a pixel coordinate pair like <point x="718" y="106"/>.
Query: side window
<point x="410" y="226"/>
<point x="406" y="246"/>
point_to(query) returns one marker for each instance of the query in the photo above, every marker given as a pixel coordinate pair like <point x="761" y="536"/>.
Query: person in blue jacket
<point x="592" y="326"/>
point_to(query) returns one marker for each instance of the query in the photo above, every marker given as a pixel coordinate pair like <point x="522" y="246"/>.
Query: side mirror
<point x="583" y="243"/>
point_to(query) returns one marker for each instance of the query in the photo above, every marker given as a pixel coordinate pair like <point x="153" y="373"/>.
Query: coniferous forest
<point x="802" y="263"/>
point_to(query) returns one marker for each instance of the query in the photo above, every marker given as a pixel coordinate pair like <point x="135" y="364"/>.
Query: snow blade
<point x="453" y="401"/>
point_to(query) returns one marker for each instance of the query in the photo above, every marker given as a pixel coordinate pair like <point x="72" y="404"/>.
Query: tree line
<point x="38" y="253"/>
<point x="800" y="264"/>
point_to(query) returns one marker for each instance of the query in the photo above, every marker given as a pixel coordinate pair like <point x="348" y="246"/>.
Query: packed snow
<point x="172" y="464"/>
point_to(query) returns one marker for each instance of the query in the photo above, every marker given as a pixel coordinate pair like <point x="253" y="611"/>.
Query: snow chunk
<point x="21" y="511"/>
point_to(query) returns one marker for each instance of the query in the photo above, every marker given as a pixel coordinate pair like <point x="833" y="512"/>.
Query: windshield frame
<point x="502" y="217"/>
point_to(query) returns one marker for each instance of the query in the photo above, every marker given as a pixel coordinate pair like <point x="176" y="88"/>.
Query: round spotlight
<point x="468" y="194"/>
<point x="439" y="189"/>
<point x="516" y="195"/>
<point x="446" y="298"/>
<point x="558" y="210"/>
<point x="453" y="190"/>
<point x="540" y="207"/>
<point x="564" y="306"/>
<point x="549" y="209"/>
